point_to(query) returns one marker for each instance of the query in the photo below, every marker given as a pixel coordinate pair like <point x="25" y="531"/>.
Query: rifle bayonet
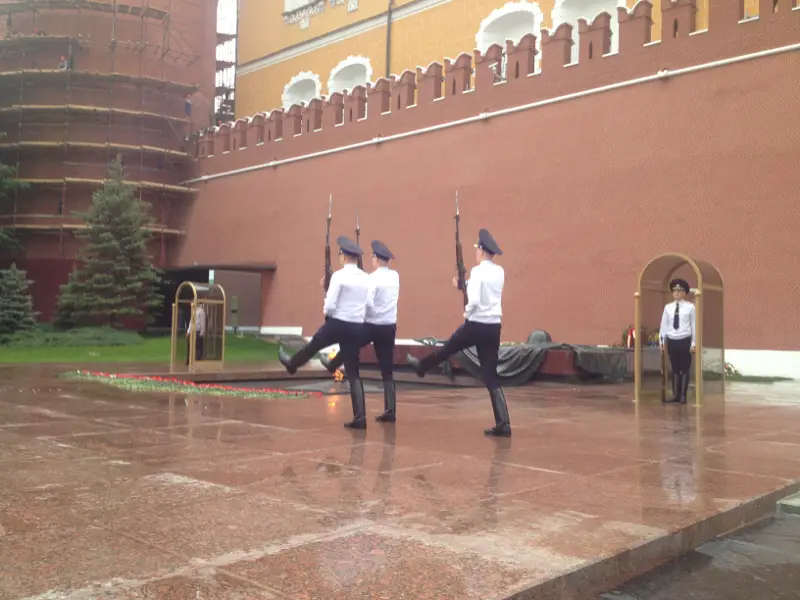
<point x="360" y="261"/>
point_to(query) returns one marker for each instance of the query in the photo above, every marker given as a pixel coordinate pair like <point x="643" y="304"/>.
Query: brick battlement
<point x="470" y="85"/>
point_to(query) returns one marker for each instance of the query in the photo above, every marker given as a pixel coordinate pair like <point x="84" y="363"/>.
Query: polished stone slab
<point x="115" y="495"/>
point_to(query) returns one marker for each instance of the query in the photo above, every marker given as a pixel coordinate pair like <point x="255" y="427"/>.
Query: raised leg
<point x="335" y="363"/>
<point x="325" y="336"/>
<point x="462" y="338"/>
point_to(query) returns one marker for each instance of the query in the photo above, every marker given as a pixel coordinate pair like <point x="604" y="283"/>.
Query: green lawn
<point x="129" y="347"/>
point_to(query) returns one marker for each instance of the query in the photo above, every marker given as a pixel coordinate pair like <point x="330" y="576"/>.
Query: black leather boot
<point x="684" y="389"/>
<point x="332" y="364"/>
<point x="389" y="403"/>
<point x="502" y="426"/>
<point x="359" y="406"/>
<point x="676" y="388"/>
<point x="287" y="361"/>
<point x="417" y="365"/>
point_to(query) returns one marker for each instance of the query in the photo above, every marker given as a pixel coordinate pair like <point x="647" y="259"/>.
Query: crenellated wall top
<point x="503" y="77"/>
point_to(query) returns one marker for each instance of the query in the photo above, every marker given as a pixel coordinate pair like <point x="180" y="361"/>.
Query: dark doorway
<point x="169" y="285"/>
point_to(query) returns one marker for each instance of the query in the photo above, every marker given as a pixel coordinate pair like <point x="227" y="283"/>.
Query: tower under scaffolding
<point x="227" y="26"/>
<point x="83" y="81"/>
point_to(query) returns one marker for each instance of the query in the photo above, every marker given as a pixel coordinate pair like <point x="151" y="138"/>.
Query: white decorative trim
<point x="377" y="22"/>
<point x="482" y="44"/>
<point x="266" y="330"/>
<point x="303" y="15"/>
<point x="301" y="76"/>
<point x="243" y="329"/>
<point x="509" y="9"/>
<point x="347" y="62"/>
<point x="351" y="4"/>
<point x="557" y="17"/>
<point x="765" y="363"/>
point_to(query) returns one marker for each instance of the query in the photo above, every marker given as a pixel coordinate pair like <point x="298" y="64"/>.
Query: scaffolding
<point x="117" y="100"/>
<point x="224" y="96"/>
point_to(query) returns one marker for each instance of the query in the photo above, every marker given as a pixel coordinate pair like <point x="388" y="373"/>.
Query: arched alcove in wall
<point x="510" y="22"/>
<point x="352" y="71"/>
<point x="569" y="11"/>
<point x="303" y="87"/>
<point x="652" y="292"/>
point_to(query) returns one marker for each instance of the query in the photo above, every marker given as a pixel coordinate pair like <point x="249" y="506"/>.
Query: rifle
<point x="462" y="271"/>
<point x="358" y="236"/>
<point x="328" y="271"/>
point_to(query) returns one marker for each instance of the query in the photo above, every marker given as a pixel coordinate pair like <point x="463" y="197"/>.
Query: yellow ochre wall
<point x="431" y="35"/>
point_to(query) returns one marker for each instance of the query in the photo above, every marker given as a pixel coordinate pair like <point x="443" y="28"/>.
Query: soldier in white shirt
<point x="380" y="325"/>
<point x="201" y="320"/>
<point x="482" y="324"/>
<point x="344" y="310"/>
<point x="678" y="328"/>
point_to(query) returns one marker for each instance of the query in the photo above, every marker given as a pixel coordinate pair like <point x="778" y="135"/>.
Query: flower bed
<point x="139" y="383"/>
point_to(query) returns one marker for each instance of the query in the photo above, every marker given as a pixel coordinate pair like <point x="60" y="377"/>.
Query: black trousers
<point x="486" y="339"/>
<point x="347" y="335"/>
<point x="382" y="338"/>
<point x="198" y="347"/>
<point x="680" y="356"/>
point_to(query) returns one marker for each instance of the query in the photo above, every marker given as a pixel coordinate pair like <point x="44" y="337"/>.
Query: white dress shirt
<point x="200" y="317"/>
<point x="484" y="293"/>
<point x="687" y="322"/>
<point x="346" y="299"/>
<point x="384" y="291"/>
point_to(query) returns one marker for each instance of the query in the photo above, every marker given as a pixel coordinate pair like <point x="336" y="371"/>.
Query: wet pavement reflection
<point x="111" y="494"/>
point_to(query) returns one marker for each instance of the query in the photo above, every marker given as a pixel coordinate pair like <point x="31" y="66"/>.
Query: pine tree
<point x="115" y="277"/>
<point x="16" y="304"/>
<point x="8" y="184"/>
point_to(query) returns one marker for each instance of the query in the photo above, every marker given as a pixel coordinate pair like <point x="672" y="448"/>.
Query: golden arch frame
<point x="215" y="304"/>
<point x="653" y="283"/>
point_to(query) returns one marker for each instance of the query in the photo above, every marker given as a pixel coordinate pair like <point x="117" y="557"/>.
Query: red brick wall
<point x="580" y="194"/>
<point x="247" y="288"/>
<point x="48" y="275"/>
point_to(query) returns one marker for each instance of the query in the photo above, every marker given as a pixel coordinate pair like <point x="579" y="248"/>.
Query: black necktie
<point x="675" y="321"/>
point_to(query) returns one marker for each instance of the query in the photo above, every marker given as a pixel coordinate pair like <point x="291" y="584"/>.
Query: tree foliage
<point x="16" y="304"/>
<point x="8" y="185"/>
<point x="115" y="277"/>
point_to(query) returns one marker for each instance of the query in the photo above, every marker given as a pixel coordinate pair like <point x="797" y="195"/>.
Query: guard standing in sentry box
<point x="482" y="324"/>
<point x="380" y="325"/>
<point x="344" y="310"/>
<point x="678" y="331"/>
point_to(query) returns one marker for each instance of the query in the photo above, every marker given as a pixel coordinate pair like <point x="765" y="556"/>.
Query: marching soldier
<point x="344" y="309"/>
<point x="481" y="328"/>
<point x="678" y="327"/>
<point x="380" y="325"/>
